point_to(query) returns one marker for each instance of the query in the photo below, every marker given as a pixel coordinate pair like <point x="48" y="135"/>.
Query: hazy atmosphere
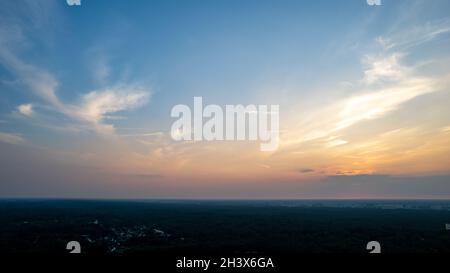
<point x="363" y="94"/>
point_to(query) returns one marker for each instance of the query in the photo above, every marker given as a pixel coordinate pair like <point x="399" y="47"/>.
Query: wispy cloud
<point x="143" y="134"/>
<point x="336" y="142"/>
<point x="94" y="107"/>
<point x="39" y="81"/>
<point x="385" y="68"/>
<point x="386" y="85"/>
<point x="306" y="170"/>
<point x="11" y="138"/>
<point x="415" y="35"/>
<point x="98" y="63"/>
<point x="101" y="70"/>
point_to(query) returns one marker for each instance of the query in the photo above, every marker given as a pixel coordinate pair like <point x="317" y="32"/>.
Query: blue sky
<point x="92" y="86"/>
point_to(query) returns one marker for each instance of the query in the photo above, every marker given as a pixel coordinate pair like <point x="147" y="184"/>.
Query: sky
<point x="86" y="94"/>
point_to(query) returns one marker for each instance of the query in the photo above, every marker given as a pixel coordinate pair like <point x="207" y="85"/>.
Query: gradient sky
<point x="86" y="93"/>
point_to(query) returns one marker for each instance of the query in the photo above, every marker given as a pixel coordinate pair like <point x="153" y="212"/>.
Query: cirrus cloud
<point x="11" y="138"/>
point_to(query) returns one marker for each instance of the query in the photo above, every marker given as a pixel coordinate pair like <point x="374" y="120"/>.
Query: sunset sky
<point x="86" y="93"/>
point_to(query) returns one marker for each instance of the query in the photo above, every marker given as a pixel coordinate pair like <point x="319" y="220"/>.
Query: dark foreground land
<point x="223" y="227"/>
